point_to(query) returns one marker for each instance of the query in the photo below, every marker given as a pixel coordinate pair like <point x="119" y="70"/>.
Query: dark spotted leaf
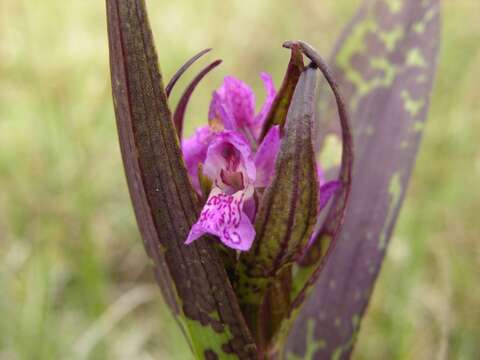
<point x="385" y="64"/>
<point x="192" y="278"/>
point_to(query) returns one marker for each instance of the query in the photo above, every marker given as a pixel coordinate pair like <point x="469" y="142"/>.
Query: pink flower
<point x="236" y="164"/>
<point x="230" y="207"/>
<point x="232" y="108"/>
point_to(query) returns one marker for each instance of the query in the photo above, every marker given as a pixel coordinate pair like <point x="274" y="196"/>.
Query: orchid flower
<point x="228" y="152"/>
<point x="232" y="109"/>
<point x="252" y="180"/>
<point x="229" y="164"/>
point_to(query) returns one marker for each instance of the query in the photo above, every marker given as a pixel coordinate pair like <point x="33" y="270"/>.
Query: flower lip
<point x="223" y="215"/>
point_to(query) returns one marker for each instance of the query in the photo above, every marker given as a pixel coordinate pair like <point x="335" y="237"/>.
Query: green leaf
<point x="192" y="278"/>
<point x="385" y="65"/>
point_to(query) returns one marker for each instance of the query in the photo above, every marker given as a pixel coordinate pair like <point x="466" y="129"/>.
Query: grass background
<point x="74" y="279"/>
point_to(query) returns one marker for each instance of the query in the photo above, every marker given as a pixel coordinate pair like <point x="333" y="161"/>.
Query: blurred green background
<point x="74" y="279"/>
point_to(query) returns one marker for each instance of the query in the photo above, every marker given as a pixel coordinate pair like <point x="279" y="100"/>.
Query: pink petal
<point x="327" y="190"/>
<point x="223" y="216"/>
<point x="320" y="175"/>
<point x="194" y="151"/>
<point x="250" y="208"/>
<point x="266" y="156"/>
<point x="233" y="104"/>
<point x="242" y="100"/>
<point x="271" y="93"/>
<point x="219" y="114"/>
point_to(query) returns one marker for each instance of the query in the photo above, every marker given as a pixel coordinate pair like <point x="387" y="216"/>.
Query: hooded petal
<point x="223" y="216"/>
<point x="266" y="156"/>
<point x="195" y="150"/>
<point x="233" y="104"/>
<point x="229" y="152"/>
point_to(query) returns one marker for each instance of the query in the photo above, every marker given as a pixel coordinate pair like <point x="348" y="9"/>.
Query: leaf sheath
<point x="192" y="278"/>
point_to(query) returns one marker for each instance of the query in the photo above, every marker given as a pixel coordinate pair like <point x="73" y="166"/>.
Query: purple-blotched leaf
<point x="192" y="278"/>
<point x="385" y="64"/>
<point x="179" y="114"/>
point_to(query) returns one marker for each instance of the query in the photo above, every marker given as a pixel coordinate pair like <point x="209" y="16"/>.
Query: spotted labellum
<point x="261" y="249"/>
